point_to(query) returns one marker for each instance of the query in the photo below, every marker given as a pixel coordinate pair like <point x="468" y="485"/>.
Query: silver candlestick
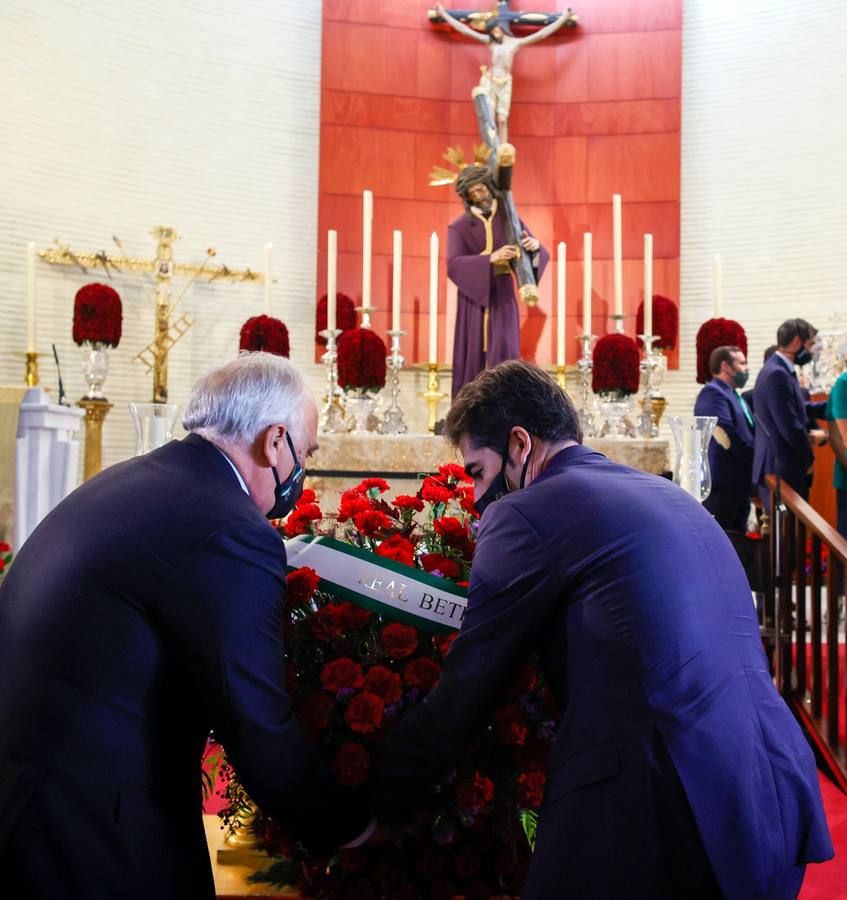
<point x="585" y="364"/>
<point x="392" y="421"/>
<point x="618" y="321"/>
<point x="648" y="426"/>
<point x="332" y="414"/>
<point x="365" y="313"/>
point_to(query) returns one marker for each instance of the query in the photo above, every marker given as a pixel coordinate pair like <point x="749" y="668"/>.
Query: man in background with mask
<point x="783" y="441"/>
<point x="144" y="611"/>
<point x="731" y="450"/>
<point x="677" y="770"/>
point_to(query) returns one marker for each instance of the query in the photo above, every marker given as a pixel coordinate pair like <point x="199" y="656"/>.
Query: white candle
<point x="718" y="286"/>
<point x="560" y="306"/>
<point x="617" y="252"/>
<point x="397" y="280"/>
<point x="433" y="298"/>
<point x="586" y="283"/>
<point x="331" y="278"/>
<point x="30" y="297"/>
<point x="367" y="238"/>
<point x="648" y="284"/>
<point x="268" y="277"/>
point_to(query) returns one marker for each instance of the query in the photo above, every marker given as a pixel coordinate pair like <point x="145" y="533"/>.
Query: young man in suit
<point x="145" y="610"/>
<point x="731" y="450"/>
<point x="677" y="770"/>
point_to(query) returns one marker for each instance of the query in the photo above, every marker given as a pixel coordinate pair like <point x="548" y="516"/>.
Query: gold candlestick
<point x="95" y="413"/>
<point x="561" y="377"/>
<point x="31" y="373"/>
<point x="433" y="395"/>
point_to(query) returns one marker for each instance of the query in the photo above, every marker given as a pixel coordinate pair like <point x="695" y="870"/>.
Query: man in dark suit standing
<point x="783" y="444"/>
<point x="144" y="611"/>
<point x="731" y="449"/>
<point x="677" y="770"/>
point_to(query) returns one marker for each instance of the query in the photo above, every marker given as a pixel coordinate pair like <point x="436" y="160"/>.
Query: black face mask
<point x="288" y="492"/>
<point x="740" y="379"/>
<point x="802" y="357"/>
<point x="499" y="487"/>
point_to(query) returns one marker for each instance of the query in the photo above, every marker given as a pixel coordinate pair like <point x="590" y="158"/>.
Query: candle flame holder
<point x="332" y="414"/>
<point x="585" y="406"/>
<point x="433" y="395"/>
<point x="648" y="424"/>
<point x="392" y="421"/>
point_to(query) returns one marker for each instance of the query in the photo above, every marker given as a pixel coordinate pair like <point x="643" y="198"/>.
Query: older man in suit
<point x="731" y="450"/>
<point x="677" y="770"/>
<point x="144" y="611"/>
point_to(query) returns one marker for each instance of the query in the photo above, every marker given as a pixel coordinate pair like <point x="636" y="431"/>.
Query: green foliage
<point x="529" y="821"/>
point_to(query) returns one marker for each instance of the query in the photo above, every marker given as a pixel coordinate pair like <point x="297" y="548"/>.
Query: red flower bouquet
<point x="361" y="360"/>
<point x="345" y="316"/>
<point x="264" y="333"/>
<point x="665" y="321"/>
<point x="615" y="365"/>
<point x="716" y="333"/>
<point x="97" y="316"/>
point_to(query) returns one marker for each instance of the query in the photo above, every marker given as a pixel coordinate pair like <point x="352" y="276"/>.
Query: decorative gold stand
<point x="433" y="395"/>
<point x="31" y="373"/>
<point x="242" y="846"/>
<point x="95" y="413"/>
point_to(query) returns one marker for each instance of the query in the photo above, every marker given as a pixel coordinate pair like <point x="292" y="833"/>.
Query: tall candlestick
<point x="586" y="283"/>
<point x="30" y="297"/>
<point x="433" y="299"/>
<point x="560" y="305"/>
<point x="268" y="277"/>
<point x="617" y="252"/>
<point x="648" y="284"/>
<point x="718" y="286"/>
<point x="367" y="239"/>
<point x="331" y="278"/>
<point x="397" y="280"/>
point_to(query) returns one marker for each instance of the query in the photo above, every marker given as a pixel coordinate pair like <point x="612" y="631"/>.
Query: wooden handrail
<point x="810" y="517"/>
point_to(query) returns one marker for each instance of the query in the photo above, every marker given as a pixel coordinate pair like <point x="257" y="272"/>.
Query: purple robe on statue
<point x="479" y="290"/>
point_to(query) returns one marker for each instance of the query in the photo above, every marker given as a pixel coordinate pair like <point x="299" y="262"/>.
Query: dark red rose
<point x="714" y="333"/>
<point x="454" y="471"/>
<point x="379" y="484"/>
<point x="300" y="585"/>
<point x="397" y="548"/>
<point x="531" y="788"/>
<point x="98" y="315"/>
<point x="361" y="360"/>
<point x="264" y="333"/>
<point x="364" y="712"/>
<point x="326" y="624"/>
<point x="345" y="316"/>
<point x="352" y="616"/>
<point x="316" y="710"/>
<point x="511" y="725"/>
<point x="399" y="640"/>
<point x="381" y="681"/>
<point x="476" y="792"/>
<point x="435" y="562"/>
<point x="665" y="321"/>
<point x="372" y="522"/>
<point x="404" y="501"/>
<point x="616" y="363"/>
<point x="351" y="763"/>
<point x="422" y="673"/>
<point x="342" y="673"/>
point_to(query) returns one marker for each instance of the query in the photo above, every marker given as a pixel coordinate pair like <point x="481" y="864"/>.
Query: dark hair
<point x="770" y="352"/>
<point x="720" y="355"/>
<point x="793" y="328"/>
<point x="513" y="393"/>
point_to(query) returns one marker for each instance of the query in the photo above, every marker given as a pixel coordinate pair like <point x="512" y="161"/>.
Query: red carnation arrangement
<point x="264" y="333"/>
<point x="665" y="321"/>
<point x="361" y="360"/>
<point x="346" y="316"/>
<point x="98" y="314"/>
<point x="615" y="365"/>
<point x="716" y="333"/>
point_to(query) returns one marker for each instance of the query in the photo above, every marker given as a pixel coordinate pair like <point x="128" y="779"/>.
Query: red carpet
<point x="828" y="881"/>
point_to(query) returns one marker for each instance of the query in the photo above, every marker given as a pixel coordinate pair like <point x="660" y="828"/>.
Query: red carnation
<point x="371" y="522"/>
<point x="454" y="471"/>
<point x="531" y="788"/>
<point x="399" y="640"/>
<point x="434" y="492"/>
<point x="264" y="333"/>
<point x="714" y="333"/>
<point x="379" y="484"/>
<point x="615" y="365"/>
<point x="422" y="673"/>
<point x="476" y="792"/>
<point x="397" y="548"/>
<point x="4" y="547"/>
<point x="451" y="531"/>
<point x="381" y="681"/>
<point x="300" y="585"/>
<point x="300" y="521"/>
<point x="511" y="725"/>
<point x="316" y="710"/>
<point x="326" y="624"/>
<point x="404" y="501"/>
<point x="665" y="321"/>
<point x="445" y="642"/>
<point x="364" y="712"/>
<point x="352" y="502"/>
<point x="97" y="315"/>
<point x="342" y="673"/>
<point x="435" y="562"/>
<point x="351" y="764"/>
<point x="361" y="360"/>
<point x="308" y="496"/>
<point x="351" y="616"/>
<point x="345" y="316"/>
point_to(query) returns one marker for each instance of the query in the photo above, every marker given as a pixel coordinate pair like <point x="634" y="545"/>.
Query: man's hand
<point x="530" y="244"/>
<point x="817" y="437"/>
<point x="504" y="254"/>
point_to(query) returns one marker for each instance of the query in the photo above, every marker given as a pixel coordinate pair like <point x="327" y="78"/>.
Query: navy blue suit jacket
<point x="731" y="468"/>
<point x="144" y="611"/>
<point x="782" y="443"/>
<point x="673" y="731"/>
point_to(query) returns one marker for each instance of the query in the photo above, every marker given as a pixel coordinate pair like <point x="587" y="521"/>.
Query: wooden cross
<point x="155" y="355"/>
<point x="478" y="19"/>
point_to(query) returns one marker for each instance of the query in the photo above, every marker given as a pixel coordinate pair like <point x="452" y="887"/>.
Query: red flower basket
<point x="97" y="315"/>
<point x="361" y="360"/>
<point x="665" y="321"/>
<point x="716" y="333"/>
<point x="264" y="333"/>
<point x="346" y="316"/>
<point x="615" y="365"/>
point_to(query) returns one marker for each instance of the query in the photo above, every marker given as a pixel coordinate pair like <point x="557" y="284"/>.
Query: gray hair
<point x="235" y="402"/>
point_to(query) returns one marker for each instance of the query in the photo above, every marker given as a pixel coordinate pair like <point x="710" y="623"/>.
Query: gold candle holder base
<point x="433" y="395"/>
<point x="95" y="413"/>
<point x="242" y="839"/>
<point x="31" y="373"/>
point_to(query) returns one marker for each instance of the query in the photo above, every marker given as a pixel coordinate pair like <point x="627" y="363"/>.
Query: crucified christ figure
<point x="496" y="79"/>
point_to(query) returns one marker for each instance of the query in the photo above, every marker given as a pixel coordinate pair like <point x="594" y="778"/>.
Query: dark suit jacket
<point x="732" y="468"/>
<point x="782" y="443"/>
<point x="643" y="617"/>
<point x="142" y="612"/>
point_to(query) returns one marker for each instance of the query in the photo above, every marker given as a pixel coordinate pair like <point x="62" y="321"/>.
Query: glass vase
<point x="691" y="471"/>
<point x="360" y="408"/>
<point x="615" y="408"/>
<point x="95" y="367"/>
<point x="154" y="425"/>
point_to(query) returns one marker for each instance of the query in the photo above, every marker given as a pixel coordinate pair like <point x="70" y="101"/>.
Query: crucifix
<point x="168" y="330"/>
